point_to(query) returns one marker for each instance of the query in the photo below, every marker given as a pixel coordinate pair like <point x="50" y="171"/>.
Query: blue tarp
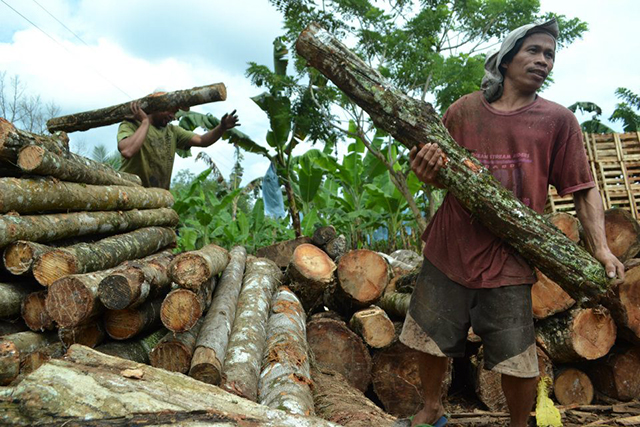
<point x="272" y="194"/>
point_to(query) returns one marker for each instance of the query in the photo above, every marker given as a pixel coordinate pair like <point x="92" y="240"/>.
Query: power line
<point x="61" y="23"/>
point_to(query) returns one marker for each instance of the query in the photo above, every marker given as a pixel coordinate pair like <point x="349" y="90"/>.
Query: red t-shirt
<point x="526" y="150"/>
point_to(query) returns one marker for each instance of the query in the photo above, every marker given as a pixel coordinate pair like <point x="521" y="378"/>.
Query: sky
<point x="98" y="53"/>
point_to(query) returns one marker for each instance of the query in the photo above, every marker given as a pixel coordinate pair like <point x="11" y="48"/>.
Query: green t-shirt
<point x="154" y="162"/>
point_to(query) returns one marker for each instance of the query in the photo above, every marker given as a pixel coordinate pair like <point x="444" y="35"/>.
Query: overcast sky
<point x="112" y="51"/>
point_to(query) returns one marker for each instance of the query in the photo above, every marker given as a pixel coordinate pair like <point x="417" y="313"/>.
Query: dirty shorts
<point x="441" y="312"/>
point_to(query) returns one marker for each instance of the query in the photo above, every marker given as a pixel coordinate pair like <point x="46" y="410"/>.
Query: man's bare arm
<point x="130" y="145"/>
<point x="228" y="121"/>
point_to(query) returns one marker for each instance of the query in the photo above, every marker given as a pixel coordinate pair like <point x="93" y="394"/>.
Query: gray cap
<point x="492" y="81"/>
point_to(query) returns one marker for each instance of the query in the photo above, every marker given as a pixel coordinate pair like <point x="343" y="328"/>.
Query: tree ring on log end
<point x="115" y="292"/>
<point x="18" y="258"/>
<point x="69" y="302"/>
<point x="191" y="271"/>
<point x="171" y="356"/>
<point x="363" y="274"/>
<point x="594" y="333"/>
<point x="54" y="265"/>
<point x="180" y="310"/>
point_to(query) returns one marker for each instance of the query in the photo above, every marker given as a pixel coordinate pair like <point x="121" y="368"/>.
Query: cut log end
<point x="30" y="158"/>
<point x="52" y="266"/>
<point x="190" y="271"/>
<point x="123" y="324"/>
<point x="374" y="326"/>
<point x="180" y="310"/>
<point x="69" y="302"/>
<point x="363" y="275"/>
<point x="34" y="312"/>
<point x="573" y="387"/>
<point x="548" y="297"/>
<point x="172" y="356"/>
<point x="594" y="333"/>
<point x="18" y="258"/>
<point x="90" y="334"/>
<point x="313" y="263"/>
<point x="567" y="223"/>
<point x="205" y="366"/>
<point x="116" y="291"/>
<point x="623" y="233"/>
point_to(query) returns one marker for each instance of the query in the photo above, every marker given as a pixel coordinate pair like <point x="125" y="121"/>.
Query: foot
<point x="428" y="416"/>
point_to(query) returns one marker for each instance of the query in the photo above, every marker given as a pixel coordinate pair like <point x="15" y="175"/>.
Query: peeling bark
<point x="190" y="270"/>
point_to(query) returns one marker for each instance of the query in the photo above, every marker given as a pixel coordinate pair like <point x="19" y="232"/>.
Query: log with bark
<point x="90" y="334"/>
<point x="285" y="377"/>
<point x="27" y="196"/>
<point x="214" y="337"/>
<point x="92" y="389"/>
<point x="573" y="387"/>
<point x="40" y="356"/>
<point x="243" y="359"/>
<point x="623" y="233"/>
<point x="127" y="323"/>
<point x="136" y="350"/>
<point x="374" y="326"/>
<point x="281" y="252"/>
<point x="323" y="235"/>
<point x="182" y="308"/>
<point x="310" y="273"/>
<point x="618" y="376"/>
<point x="48" y="228"/>
<point x="406" y="283"/>
<point x="623" y="303"/>
<point x="102" y="254"/>
<point x="150" y="104"/>
<point x="34" y="313"/>
<point x="8" y="327"/>
<point x="174" y="352"/>
<point x="408" y="256"/>
<point x="547" y="298"/>
<point x="577" y="334"/>
<point x="338" y="401"/>
<point x="13" y="349"/>
<point x="12" y="140"/>
<point x="11" y="297"/>
<point x="412" y="123"/>
<point x="336" y="248"/>
<point x="19" y="256"/>
<point x="395" y="304"/>
<point x="338" y="348"/>
<point x="191" y="270"/>
<point x="73" y="168"/>
<point x="135" y="281"/>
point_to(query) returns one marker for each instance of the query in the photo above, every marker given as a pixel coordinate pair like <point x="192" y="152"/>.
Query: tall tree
<point x="25" y="110"/>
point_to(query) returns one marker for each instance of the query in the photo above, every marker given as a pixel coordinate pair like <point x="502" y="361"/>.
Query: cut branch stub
<point x="374" y="326"/>
<point x="192" y="269"/>
<point x="414" y="123"/>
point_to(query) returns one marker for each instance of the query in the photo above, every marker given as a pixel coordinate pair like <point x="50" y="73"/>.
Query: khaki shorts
<point x="441" y="312"/>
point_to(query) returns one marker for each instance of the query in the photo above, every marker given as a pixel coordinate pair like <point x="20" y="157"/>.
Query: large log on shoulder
<point x="413" y="122"/>
<point x="150" y="104"/>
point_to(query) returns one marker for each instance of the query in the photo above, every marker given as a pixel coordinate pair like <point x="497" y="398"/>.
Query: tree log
<point x="8" y="327"/>
<point x="323" y="235"/>
<point x="182" y="308"/>
<point x="34" y="313"/>
<point x="407" y="256"/>
<point x="174" y="352"/>
<point x="19" y="256"/>
<point x="214" y="337"/>
<point x="47" y="228"/>
<point x="577" y="334"/>
<point x="618" y="376"/>
<point x="281" y="252"/>
<point x="92" y="389"/>
<point x="150" y="104"/>
<point x="623" y="233"/>
<point x="136" y="350"/>
<point x="573" y="387"/>
<point x="90" y="334"/>
<point x="11" y="297"/>
<point x="395" y="304"/>
<point x="413" y="122"/>
<point x="72" y="168"/>
<point x="13" y="349"/>
<point x="363" y="276"/>
<point x="337" y="348"/>
<point x="374" y="326"/>
<point x="193" y="269"/>
<point x="39" y="357"/>
<point x="336" y="248"/>
<point x="12" y="140"/>
<point x="101" y="255"/>
<point x="127" y="323"/>
<point x="46" y="195"/>
<point x="136" y="281"/>
<point x="406" y="283"/>
<point x="338" y="401"/>
<point x="547" y="298"/>
<point x="567" y="223"/>
<point x="285" y="378"/>
<point x="242" y="361"/>
<point x="623" y="303"/>
<point x="310" y="272"/>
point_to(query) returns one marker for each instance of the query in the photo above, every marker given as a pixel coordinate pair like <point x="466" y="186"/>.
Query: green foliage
<point x="627" y="111"/>
<point x="594" y="125"/>
<point x="101" y="154"/>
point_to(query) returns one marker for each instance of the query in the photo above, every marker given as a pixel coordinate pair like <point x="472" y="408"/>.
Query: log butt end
<point x="190" y="271"/>
<point x="54" y="265"/>
<point x="573" y="387"/>
<point x="205" y="366"/>
<point x="116" y="293"/>
<point x="594" y="333"/>
<point x="122" y="324"/>
<point x="180" y="310"/>
<point x="34" y="312"/>
<point x="363" y="275"/>
<point x="69" y="303"/>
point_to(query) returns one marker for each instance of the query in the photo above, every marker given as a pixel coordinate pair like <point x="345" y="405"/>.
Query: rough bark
<point x="34" y="313"/>
<point x="622" y="302"/>
<point x="46" y="195"/>
<point x="92" y="389"/>
<point x="338" y="401"/>
<point x="72" y="168"/>
<point x="182" y="308"/>
<point x="395" y="304"/>
<point x="281" y="252"/>
<point x="127" y="323"/>
<point x="336" y="248"/>
<point x="150" y="104"/>
<point x="567" y="223"/>
<point x="577" y="334"/>
<point x="548" y="298"/>
<point x="374" y="326"/>
<point x="90" y="334"/>
<point x="11" y="297"/>
<point x="310" y="272"/>
<point x="19" y="256"/>
<point x="413" y="123"/>
<point x="136" y="350"/>
<point x="573" y="387"/>
<point x="47" y="228"/>
<point x="618" y="376"/>
<point x="243" y="359"/>
<point x="191" y="270"/>
<point x="405" y="283"/>
<point x="136" y="281"/>
<point x="214" y="337"/>
<point x="323" y="235"/>
<point x="174" y="352"/>
<point x="102" y="254"/>
<point x="12" y="140"/>
<point x="407" y="256"/>
<point x="623" y="233"/>
<point x="363" y="276"/>
<point x="285" y="378"/>
<point x="13" y="349"/>
<point x="337" y="348"/>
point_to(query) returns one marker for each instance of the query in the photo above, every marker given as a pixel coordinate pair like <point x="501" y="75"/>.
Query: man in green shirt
<point x="148" y="143"/>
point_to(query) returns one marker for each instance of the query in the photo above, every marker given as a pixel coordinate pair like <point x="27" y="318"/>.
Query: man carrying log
<point x="148" y="143"/>
<point x="471" y="277"/>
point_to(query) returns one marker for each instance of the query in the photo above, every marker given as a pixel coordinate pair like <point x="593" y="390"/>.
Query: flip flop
<point x="406" y="422"/>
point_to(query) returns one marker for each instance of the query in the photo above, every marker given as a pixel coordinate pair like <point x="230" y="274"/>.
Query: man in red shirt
<point x="471" y="277"/>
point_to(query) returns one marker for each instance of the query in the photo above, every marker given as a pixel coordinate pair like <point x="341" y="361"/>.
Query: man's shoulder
<point x="555" y="108"/>
<point x="472" y="99"/>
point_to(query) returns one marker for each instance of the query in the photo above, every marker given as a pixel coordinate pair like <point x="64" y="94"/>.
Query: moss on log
<point x="413" y="122"/>
<point x="150" y="104"/>
<point x="193" y="269"/>
<point x="136" y="350"/>
<point x="47" y="228"/>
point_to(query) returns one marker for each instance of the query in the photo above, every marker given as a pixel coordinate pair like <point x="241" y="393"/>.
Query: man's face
<point x="163" y="118"/>
<point x="532" y="64"/>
